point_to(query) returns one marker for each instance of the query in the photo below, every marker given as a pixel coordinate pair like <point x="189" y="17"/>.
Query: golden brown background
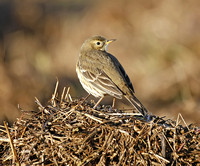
<point x="158" y="43"/>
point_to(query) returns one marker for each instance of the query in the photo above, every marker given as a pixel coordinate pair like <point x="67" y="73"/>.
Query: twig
<point x="183" y="121"/>
<point x="151" y="152"/>
<point x="15" y="157"/>
<point x="93" y="118"/>
<point x="54" y="94"/>
<point x="67" y="93"/>
<point x="62" y="96"/>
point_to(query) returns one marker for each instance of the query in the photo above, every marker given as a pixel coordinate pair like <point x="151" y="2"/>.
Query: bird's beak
<point x="110" y="41"/>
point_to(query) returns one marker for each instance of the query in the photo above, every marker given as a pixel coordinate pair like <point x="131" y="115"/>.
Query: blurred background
<point x="158" y="43"/>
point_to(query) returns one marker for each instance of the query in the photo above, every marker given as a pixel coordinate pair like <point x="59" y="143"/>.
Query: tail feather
<point x="137" y="104"/>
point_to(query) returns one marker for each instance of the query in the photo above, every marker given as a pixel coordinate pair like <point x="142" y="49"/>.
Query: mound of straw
<point x="71" y="132"/>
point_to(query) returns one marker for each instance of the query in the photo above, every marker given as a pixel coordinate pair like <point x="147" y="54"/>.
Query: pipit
<point x="101" y="74"/>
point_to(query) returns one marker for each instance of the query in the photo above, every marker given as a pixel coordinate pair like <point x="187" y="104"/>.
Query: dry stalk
<point x="71" y="132"/>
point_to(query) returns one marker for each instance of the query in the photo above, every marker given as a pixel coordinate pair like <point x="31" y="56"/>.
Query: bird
<point x="101" y="74"/>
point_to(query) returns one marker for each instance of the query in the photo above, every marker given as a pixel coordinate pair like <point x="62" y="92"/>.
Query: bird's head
<point x="97" y="43"/>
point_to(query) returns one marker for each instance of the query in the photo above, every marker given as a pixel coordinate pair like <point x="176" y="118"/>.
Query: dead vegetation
<point x="71" y="132"/>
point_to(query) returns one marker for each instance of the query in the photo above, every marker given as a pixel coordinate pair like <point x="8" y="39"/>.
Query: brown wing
<point x="122" y="72"/>
<point x="101" y="81"/>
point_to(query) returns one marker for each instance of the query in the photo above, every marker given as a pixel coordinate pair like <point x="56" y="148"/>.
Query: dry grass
<point x="71" y="132"/>
<point x="157" y="44"/>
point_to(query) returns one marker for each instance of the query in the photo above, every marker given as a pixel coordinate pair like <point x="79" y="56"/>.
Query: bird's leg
<point x="98" y="102"/>
<point x="113" y="104"/>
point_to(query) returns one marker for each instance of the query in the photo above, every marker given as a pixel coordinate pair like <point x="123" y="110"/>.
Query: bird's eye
<point x="98" y="43"/>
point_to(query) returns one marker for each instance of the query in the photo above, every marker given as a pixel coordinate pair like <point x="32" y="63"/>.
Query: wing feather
<point x="102" y="82"/>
